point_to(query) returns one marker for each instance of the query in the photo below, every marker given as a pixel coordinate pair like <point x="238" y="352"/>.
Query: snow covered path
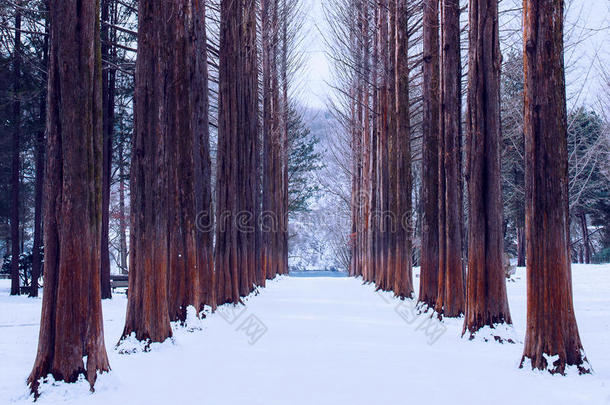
<point x="325" y="341"/>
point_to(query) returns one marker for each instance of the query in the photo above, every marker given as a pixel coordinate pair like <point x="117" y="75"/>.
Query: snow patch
<point x="500" y="332"/>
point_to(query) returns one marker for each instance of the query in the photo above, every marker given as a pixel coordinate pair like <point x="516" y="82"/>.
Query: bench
<point x="25" y="289"/>
<point x="119" y="281"/>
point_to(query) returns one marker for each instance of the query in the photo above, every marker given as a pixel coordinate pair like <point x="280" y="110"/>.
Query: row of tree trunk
<point x="381" y="182"/>
<point x="381" y="234"/>
<point x="173" y="263"/>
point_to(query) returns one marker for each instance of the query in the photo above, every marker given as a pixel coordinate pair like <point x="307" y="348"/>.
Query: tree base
<point x="556" y="364"/>
<point x="41" y="374"/>
<point x="130" y="344"/>
<point x="501" y="332"/>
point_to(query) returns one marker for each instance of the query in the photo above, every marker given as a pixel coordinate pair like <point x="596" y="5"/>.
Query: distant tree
<point x="589" y="189"/>
<point x="513" y="150"/>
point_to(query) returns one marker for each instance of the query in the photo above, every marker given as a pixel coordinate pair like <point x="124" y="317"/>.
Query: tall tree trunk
<point x="267" y="64"/>
<point x="284" y="144"/>
<point x="108" y="89"/>
<point x="392" y="151"/>
<point x="486" y="301"/>
<point x="184" y="31"/>
<point x="71" y="327"/>
<point x="585" y="238"/>
<point x="16" y="151"/>
<point x="403" y="283"/>
<point x="356" y="149"/>
<point x="203" y="165"/>
<point x="374" y="223"/>
<point x="38" y="188"/>
<point x="451" y="298"/>
<point x="230" y="84"/>
<point x="272" y="141"/>
<point x="382" y="146"/>
<point x="551" y="325"/>
<point x="371" y="190"/>
<point x="365" y="192"/>
<point x="237" y="162"/>
<point x="520" y="246"/>
<point x="428" y="281"/>
<point x="249" y="177"/>
<point x="147" y="306"/>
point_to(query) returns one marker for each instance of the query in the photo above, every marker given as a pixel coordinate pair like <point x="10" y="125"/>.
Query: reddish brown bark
<point x="201" y="156"/>
<point x="284" y="66"/>
<point x="356" y="149"/>
<point x="273" y="220"/>
<point x="373" y="196"/>
<point x="71" y="322"/>
<point x="428" y="281"/>
<point x="237" y="159"/>
<point x="451" y="298"/>
<point x="383" y="181"/>
<point x="403" y="282"/>
<point x="392" y="155"/>
<point x="551" y="324"/>
<point x="147" y="306"/>
<point x="267" y="123"/>
<point x="486" y="301"/>
<point x="249" y="176"/>
<point x="366" y="148"/>
<point x="186" y="107"/>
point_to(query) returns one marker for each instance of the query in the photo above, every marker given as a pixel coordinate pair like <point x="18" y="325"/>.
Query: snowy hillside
<point x="319" y="237"/>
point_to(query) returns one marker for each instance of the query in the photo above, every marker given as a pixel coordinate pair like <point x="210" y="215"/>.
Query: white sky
<point x="589" y="18"/>
<point x="317" y="72"/>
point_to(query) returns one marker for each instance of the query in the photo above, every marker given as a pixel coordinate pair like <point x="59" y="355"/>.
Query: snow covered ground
<point x="320" y="340"/>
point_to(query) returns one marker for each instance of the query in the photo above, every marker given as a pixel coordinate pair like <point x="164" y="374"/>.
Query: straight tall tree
<point x="40" y="155"/>
<point x="428" y="282"/>
<point x="552" y="332"/>
<point x="486" y="301"/>
<point x="186" y="106"/>
<point x="147" y="306"/>
<point x="237" y="157"/>
<point x="108" y="90"/>
<point x="16" y="158"/>
<point x="450" y="300"/>
<point x="71" y="327"/>
<point x="171" y="147"/>
<point x="403" y="279"/>
<point x="200" y="104"/>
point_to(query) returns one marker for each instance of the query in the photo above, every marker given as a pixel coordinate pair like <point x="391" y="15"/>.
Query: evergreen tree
<point x="303" y="161"/>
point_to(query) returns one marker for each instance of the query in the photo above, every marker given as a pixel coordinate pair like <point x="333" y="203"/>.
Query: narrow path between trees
<point x="326" y="341"/>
